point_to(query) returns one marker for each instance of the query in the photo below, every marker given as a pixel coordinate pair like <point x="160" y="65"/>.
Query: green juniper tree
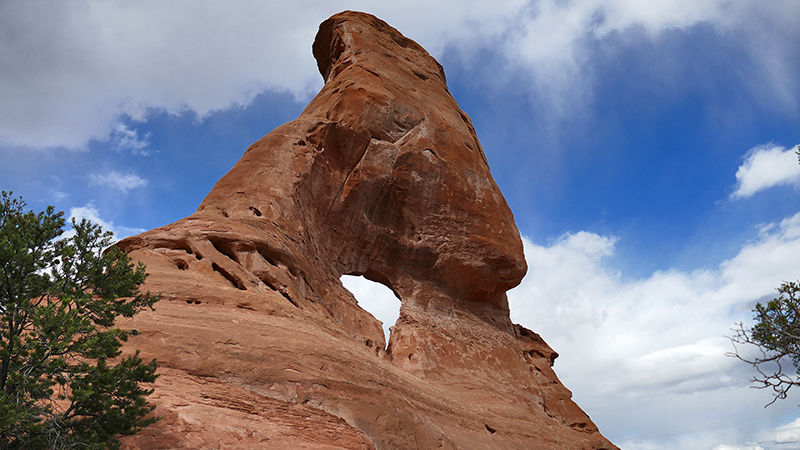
<point x="776" y="333"/>
<point x="63" y="384"/>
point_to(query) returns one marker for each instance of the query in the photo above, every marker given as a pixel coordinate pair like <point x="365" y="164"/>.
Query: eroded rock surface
<point x="382" y="175"/>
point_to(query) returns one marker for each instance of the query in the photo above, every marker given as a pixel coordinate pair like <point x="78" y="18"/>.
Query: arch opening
<point x="375" y="298"/>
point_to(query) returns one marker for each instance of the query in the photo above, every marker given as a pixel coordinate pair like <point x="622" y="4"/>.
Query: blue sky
<point x="644" y="147"/>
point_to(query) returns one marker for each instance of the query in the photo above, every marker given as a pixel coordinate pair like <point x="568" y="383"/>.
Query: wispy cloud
<point x="766" y="166"/>
<point x="739" y="447"/>
<point x="90" y="213"/>
<point x="57" y="194"/>
<point x="125" y="139"/>
<point x="117" y="180"/>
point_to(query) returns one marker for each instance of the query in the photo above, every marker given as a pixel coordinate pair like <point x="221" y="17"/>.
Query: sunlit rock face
<point x="382" y="175"/>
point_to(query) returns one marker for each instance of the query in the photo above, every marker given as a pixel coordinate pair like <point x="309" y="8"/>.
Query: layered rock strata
<point x="382" y="175"/>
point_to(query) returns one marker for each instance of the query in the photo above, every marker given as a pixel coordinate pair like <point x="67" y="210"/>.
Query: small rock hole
<point x="490" y="429"/>
<point x="255" y="211"/>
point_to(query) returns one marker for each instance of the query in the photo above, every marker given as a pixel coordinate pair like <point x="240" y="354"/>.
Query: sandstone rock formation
<point x="260" y="345"/>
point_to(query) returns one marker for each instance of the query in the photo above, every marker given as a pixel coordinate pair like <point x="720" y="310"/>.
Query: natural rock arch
<point x="382" y="176"/>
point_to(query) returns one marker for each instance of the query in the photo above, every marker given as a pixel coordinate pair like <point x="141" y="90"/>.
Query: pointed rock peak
<point x="348" y="35"/>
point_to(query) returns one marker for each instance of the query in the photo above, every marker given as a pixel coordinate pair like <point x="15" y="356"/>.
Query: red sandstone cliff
<point x="259" y="344"/>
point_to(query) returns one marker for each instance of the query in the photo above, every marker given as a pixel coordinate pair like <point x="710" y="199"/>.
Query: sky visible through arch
<point x="645" y="148"/>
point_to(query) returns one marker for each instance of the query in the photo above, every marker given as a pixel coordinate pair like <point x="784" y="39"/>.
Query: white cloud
<point x="649" y="354"/>
<point x="91" y="214"/>
<point x="785" y="437"/>
<point x="739" y="447"/>
<point x="116" y="180"/>
<point x="766" y="166"/>
<point x="71" y="69"/>
<point x="788" y="434"/>
<point x="124" y="138"/>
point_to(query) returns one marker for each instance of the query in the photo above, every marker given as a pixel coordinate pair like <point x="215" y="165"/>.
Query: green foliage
<point x="776" y="333"/>
<point x="62" y="383"/>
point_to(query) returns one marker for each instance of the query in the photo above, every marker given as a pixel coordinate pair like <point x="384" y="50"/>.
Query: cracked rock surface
<point x="382" y="175"/>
